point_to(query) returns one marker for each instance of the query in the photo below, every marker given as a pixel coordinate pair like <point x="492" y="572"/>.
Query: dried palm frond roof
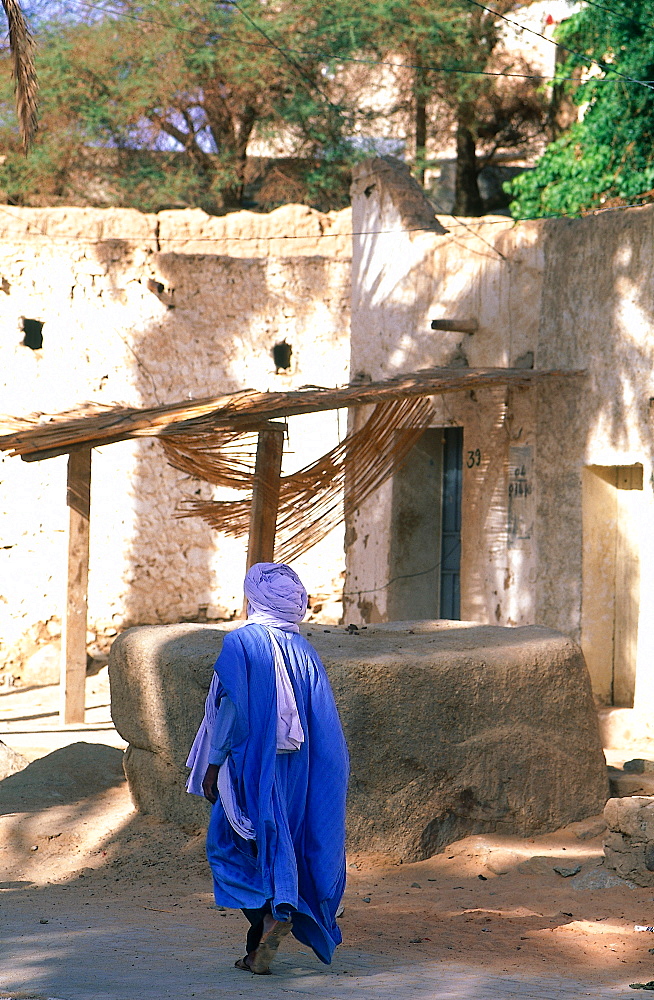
<point x="38" y="437"/>
<point x="318" y="497"/>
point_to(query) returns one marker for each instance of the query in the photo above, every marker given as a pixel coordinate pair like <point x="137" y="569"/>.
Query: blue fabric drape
<point x="296" y="801"/>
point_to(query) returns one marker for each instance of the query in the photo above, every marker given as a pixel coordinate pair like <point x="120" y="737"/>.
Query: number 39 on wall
<point x="474" y="458"/>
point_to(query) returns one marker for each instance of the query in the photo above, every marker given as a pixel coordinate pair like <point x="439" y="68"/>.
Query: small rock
<point x="43" y="921"/>
<point x="600" y="878"/>
<point x="415" y="940"/>
<point x="11" y="762"/>
<point x="622" y="784"/>
<point x="34" y="847"/>
<point x="502" y="862"/>
<point x="638" y="766"/>
<point x="366" y="899"/>
<point x="483" y="878"/>
<point x="587" y="829"/>
<point x="43" y="666"/>
<point x="537" y="865"/>
<point x="567" y="872"/>
<point x="593" y="830"/>
<point x="416" y="885"/>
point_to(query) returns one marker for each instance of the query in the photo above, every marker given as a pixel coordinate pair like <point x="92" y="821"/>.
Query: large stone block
<point x="453" y="728"/>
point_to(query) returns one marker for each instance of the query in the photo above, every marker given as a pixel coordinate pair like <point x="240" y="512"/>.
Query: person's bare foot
<point x="273" y="933"/>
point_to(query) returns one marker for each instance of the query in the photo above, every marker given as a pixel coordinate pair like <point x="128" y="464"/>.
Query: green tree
<point x="198" y="77"/>
<point x="608" y="155"/>
<point x="153" y="103"/>
<point x="485" y="114"/>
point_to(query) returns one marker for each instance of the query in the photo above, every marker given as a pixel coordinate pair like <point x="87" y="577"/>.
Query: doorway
<point x="611" y="500"/>
<point x="425" y="550"/>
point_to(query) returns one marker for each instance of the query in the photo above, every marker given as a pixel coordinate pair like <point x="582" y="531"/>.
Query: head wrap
<point x="276" y="596"/>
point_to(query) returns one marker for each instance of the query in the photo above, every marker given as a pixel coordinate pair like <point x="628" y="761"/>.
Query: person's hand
<point x="209" y="783"/>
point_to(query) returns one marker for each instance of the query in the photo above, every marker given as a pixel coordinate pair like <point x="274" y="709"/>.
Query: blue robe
<point x="296" y="801"/>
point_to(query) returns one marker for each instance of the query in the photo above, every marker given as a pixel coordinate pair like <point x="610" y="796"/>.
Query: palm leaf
<point x="21" y="44"/>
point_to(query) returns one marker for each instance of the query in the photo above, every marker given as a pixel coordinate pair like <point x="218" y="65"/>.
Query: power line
<point x="296" y="66"/>
<point x="606" y="67"/>
<point x="404" y="576"/>
<point x="619" y="17"/>
<point x="358" y="60"/>
<point x="458" y="223"/>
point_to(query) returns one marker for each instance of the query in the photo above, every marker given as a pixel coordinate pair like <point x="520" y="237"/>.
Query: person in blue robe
<point x="271" y="757"/>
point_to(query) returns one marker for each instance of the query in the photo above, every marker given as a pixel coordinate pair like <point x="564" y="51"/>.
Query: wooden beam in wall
<point x="73" y="646"/>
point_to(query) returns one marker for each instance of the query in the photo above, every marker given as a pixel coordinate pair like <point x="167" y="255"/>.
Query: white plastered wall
<point x="555" y="294"/>
<point x="145" y="310"/>
<point x="402" y="280"/>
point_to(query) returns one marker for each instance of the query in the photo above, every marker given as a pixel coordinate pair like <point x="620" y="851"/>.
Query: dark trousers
<point x="256" y="926"/>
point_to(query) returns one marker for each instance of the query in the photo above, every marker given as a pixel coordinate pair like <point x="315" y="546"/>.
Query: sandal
<point x="270" y="942"/>
<point x="242" y="963"/>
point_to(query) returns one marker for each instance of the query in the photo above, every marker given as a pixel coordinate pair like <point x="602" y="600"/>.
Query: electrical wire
<point x="605" y="67"/>
<point x="296" y="66"/>
<point x="458" y="223"/>
<point x="619" y="17"/>
<point x="358" y="60"/>
<point x="314" y="85"/>
<point x="403" y="576"/>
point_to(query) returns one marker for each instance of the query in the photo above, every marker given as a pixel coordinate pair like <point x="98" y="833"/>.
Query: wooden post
<point x="73" y="645"/>
<point x="265" y="495"/>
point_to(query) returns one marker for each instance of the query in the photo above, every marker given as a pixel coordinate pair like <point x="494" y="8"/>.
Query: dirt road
<point x="99" y="903"/>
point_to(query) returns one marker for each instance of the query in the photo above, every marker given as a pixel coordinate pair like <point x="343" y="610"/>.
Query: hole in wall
<point x="32" y="333"/>
<point x="282" y="356"/>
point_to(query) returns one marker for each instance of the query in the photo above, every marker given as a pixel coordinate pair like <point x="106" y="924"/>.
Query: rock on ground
<point x="629" y="843"/>
<point x="10" y="761"/>
<point x="452" y="729"/>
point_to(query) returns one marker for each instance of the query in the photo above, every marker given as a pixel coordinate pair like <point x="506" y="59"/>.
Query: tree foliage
<point x="160" y="99"/>
<point x="199" y="78"/>
<point x="450" y="45"/>
<point x="607" y="157"/>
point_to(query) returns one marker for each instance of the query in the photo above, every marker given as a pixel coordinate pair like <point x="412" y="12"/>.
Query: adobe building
<point x="518" y="505"/>
<point x="112" y="306"/>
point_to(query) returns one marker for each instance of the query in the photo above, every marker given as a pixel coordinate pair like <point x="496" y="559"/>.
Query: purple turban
<point x="276" y="596"/>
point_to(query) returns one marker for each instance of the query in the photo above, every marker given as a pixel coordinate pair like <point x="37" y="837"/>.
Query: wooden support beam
<point x="237" y="412"/>
<point x="73" y="646"/>
<point x="265" y="495"/>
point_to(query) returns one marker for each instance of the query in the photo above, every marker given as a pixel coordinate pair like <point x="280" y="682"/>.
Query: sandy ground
<point x="73" y="849"/>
